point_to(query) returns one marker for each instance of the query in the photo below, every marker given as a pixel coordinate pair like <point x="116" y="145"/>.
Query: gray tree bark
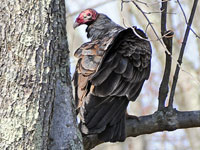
<point x="36" y="107"/>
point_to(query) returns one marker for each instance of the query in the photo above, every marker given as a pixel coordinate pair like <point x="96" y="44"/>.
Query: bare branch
<point x="147" y="3"/>
<point x="164" y="17"/>
<point x="175" y="78"/>
<point x="186" y="19"/>
<point x="156" y="12"/>
<point x="165" y="120"/>
<point x="150" y="24"/>
<point x="164" y="88"/>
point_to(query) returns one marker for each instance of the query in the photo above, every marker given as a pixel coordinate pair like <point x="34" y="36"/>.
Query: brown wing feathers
<point x="110" y="73"/>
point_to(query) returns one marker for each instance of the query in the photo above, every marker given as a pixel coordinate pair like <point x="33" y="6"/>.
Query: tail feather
<point x="105" y="118"/>
<point x="114" y="133"/>
<point x="96" y="106"/>
<point x="120" y="113"/>
<point x="112" y="113"/>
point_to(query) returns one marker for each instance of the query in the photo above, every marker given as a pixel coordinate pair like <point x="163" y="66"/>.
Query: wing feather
<point x="104" y="72"/>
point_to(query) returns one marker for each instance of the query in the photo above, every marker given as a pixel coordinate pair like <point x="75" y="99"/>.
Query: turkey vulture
<point x="110" y="72"/>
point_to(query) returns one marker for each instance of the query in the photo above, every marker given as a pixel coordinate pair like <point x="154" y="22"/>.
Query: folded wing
<point x="110" y="72"/>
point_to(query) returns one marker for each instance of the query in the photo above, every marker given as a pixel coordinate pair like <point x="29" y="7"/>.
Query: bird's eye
<point x="88" y="14"/>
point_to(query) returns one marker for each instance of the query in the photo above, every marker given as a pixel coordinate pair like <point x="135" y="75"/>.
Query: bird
<point x="110" y="72"/>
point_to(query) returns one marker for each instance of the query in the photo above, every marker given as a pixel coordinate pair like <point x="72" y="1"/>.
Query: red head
<point x="86" y="17"/>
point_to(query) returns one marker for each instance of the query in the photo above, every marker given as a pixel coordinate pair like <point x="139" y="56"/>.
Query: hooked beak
<point x="76" y="24"/>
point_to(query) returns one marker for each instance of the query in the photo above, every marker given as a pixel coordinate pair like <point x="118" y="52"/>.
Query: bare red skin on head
<point x="81" y="20"/>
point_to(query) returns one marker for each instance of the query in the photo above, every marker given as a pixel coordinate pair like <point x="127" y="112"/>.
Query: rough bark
<point x="36" y="108"/>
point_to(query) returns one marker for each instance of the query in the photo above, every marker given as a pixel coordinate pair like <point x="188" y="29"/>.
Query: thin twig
<point x="184" y="15"/>
<point x="175" y="78"/>
<point x="144" y="3"/>
<point x="146" y="28"/>
<point x="157" y="12"/>
<point x="144" y="16"/>
<point x="147" y="3"/>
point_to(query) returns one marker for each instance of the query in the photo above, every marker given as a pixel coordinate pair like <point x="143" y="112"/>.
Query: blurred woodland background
<point x="187" y="96"/>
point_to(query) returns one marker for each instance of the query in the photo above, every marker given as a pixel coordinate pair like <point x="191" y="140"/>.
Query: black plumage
<point x="110" y="72"/>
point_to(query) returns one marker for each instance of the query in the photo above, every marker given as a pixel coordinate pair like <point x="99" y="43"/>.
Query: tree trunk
<point x="36" y="107"/>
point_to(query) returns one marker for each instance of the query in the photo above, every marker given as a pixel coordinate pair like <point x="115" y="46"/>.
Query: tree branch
<point x="175" y="78"/>
<point x="163" y="17"/>
<point x="167" y="39"/>
<point x="165" y="120"/>
<point x="186" y="19"/>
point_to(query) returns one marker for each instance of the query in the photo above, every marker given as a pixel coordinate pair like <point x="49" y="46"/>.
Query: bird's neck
<point x="101" y="27"/>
